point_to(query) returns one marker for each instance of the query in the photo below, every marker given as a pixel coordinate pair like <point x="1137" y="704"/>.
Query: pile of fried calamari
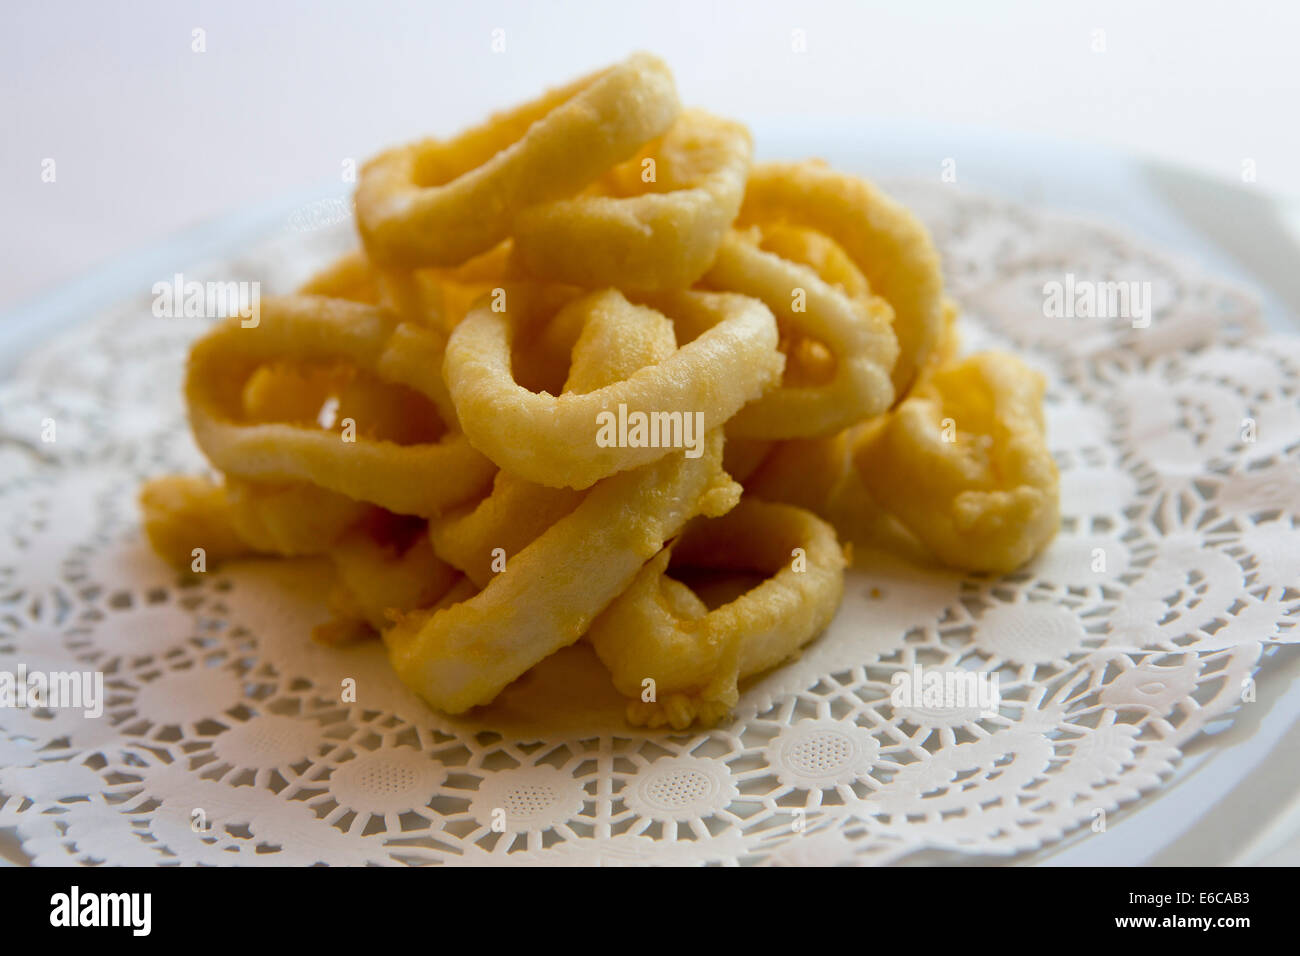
<point x="587" y="350"/>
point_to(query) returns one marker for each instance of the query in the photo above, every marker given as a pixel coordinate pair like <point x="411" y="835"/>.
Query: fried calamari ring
<point x="438" y="203"/>
<point x="885" y="241"/>
<point x="299" y="518"/>
<point x="291" y="520"/>
<point x="963" y="463"/>
<point x="421" y="479"/>
<point x="184" y="512"/>
<point x="816" y="250"/>
<point x="819" y="474"/>
<point x="856" y="331"/>
<point x="660" y="630"/>
<point x="374" y="575"/>
<point x="608" y="349"/>
<point x="376" y="579"/>
<point x="645" y="236"/>
<point x="808" y="361"/>
<point x="237" y="519"/>
<point x="465" y="653"/>
<point x="730" y="359"/>
<point x="302" y="393"/>
<point x="509" y="518"/>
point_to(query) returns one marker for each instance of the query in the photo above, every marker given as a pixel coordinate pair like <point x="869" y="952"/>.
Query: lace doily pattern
<point x="227" y="736"/>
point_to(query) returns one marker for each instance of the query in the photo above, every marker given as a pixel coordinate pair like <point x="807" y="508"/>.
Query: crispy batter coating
<point x="464" y="654"/>
<point x="184" y="512"/>
<point x="553" y="440"/>
<point x="375" y="580"/>
<point x="856" y="330"/>
<point x="293" y="519"/>
<point x="659" y="630"/>
<point x="421" y="479"/>
<point x="608" y="349"/>
<point x="645" y="236"/>
<point x="457" y="416"/>
<point x="964" y="464"/>
<point x="885" y="241"/>
<point x="439" y="203"/>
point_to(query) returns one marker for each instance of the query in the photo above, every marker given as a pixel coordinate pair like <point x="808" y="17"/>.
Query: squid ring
<point x="373" y="580"/>
<point x="439" y="203"/>
<point x="555" y="440"/>
<point x="517" y="511"/>
<point x="511" y="516"/>
<point x="182" y="513"/>
<point x="237" y="519"/>
<point x="421" y="479"/>
<point x="291" y="520"/>
<point x="857" y="331"/>
<point x="635" y="239"/>
<point x="464" y="654"/>
<point x="658" y="629"/>
<point x="885" y="241"/>
<point x="963" y="463"/>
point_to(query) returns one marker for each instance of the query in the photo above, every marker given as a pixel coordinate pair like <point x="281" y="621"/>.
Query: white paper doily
<point x="225" y="739"/>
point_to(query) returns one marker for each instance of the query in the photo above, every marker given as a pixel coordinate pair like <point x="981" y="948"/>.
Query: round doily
<point x="229" y="737"/>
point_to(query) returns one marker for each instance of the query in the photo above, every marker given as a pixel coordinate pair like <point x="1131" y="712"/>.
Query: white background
<point x="150" y="137"/>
